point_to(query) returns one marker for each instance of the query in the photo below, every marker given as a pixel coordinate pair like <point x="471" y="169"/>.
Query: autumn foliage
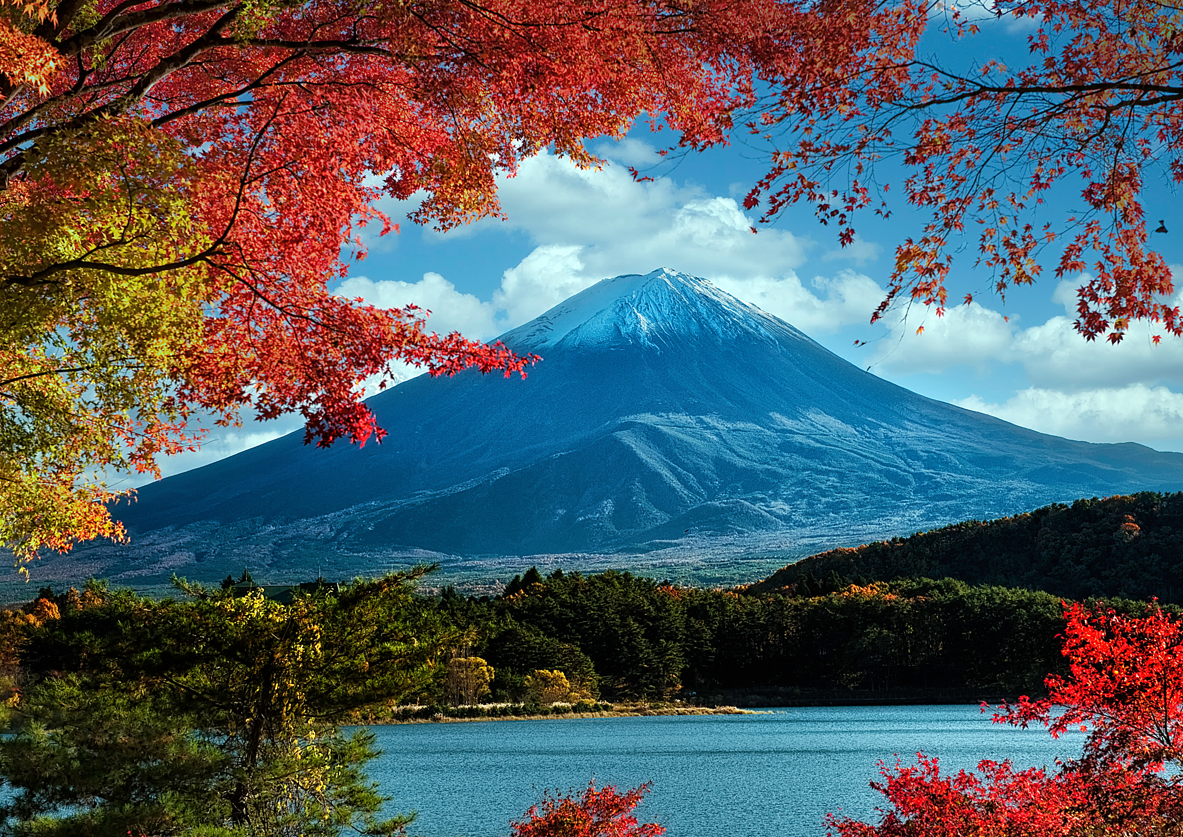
<point x="1125" y="690"/>
<point x="594" y="813"/>
<point x="1092" y="113"/>
<point x="181" y="184"/>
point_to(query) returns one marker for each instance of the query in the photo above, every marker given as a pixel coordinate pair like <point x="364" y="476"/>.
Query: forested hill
<point x="1128" y="546"/>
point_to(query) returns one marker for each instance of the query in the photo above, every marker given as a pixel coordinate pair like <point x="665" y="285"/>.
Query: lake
<point x="768" y="775"/>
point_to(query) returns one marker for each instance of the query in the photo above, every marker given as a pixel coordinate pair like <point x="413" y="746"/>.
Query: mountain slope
<point x="1123" y="546"/>
<point x="666" y="415"/>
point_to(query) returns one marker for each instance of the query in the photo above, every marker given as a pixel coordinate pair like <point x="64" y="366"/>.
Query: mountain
<point x="670" y="425"/>
<point x="1125" y="546"/>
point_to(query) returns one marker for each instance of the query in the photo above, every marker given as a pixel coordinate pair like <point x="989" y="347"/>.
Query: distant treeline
<point x="621" y="636"/>
<point x="613" y="636"/>
<point x="1126" y="546"/>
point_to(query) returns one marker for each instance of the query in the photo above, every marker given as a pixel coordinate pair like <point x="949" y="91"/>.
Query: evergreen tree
<point x="217" y="715"/>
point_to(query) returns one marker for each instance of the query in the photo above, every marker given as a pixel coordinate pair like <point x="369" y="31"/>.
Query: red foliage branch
<point x="1125" y="689"/>
<point x="594" y="813"/>
<point x="1096" y="108"/>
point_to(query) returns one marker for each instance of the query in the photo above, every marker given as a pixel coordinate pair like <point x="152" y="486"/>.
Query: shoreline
<point x="622" y="711"/>
<point x="793" y="697"/>
<point x="742" y="704"/>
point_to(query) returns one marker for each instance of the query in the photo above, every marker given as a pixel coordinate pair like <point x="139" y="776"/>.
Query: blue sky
<point x="566" y="229"/>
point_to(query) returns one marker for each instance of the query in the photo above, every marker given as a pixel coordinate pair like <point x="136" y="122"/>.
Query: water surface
<point x="768" y="775"/>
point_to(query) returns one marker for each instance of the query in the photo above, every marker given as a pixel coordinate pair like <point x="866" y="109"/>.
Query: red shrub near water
<point x="1125" y="689"/>
<point x="594" y="813"/>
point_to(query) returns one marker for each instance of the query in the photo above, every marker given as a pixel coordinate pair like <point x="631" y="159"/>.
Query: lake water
<point x="768" y="775"/>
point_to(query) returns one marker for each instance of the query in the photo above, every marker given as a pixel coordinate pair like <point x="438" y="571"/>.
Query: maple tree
<point x="178" y="179"/>
<point x="1125" y="689"/>
<point x="1094" y="113"/>
<point x="594" y="813"/>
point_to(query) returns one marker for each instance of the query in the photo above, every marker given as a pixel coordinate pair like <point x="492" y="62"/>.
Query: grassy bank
<point x="524" y="712"/>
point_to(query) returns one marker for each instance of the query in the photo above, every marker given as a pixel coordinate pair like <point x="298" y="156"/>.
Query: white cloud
<point x="858" y="251"/>
<point x="557" y="202"/>
<point x="1065" y="295"/>
<point x="707" y="237"/>
<point x="630" y="152"/>
<point x="845" y="299"/>
<point x="628" y="227"/>
<point x="1055" y="355"/>
<point x="450" y="309"/>
<point x="967" y="335"/>
<point x="542" y="280"/>
<point x="1096" y="415"/>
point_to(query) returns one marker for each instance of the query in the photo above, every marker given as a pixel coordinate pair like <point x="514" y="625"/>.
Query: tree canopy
<point x="212" y="715"/>
<point x="1122" y="546"/>
<point x="1095" y="110"/>
<point x="178" y="180"/>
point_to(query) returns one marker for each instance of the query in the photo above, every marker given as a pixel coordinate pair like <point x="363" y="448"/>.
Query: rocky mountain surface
<point x="670" y="428"/>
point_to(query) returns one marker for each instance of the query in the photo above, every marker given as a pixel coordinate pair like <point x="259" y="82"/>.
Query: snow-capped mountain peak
<point x="639" y="309"/>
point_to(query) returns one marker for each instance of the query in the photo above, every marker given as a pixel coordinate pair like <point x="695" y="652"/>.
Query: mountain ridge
<point x="668" y="422"/>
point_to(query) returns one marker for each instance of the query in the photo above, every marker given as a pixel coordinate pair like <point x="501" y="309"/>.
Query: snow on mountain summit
<point x="639" y="309"/>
